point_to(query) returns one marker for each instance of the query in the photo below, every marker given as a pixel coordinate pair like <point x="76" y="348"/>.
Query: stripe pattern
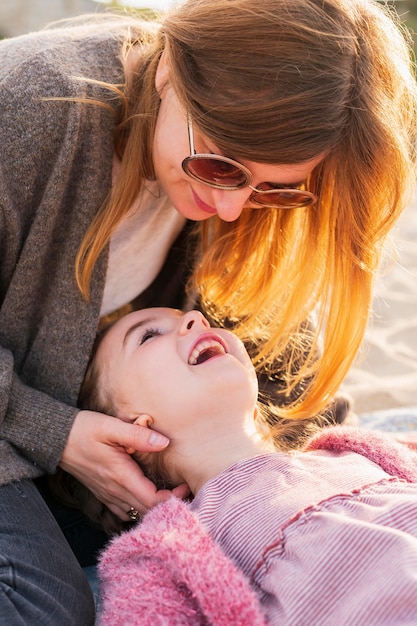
<point x="324" y="538"/>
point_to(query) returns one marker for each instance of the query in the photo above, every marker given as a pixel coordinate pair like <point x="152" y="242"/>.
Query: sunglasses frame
<point x="310" y="198"/>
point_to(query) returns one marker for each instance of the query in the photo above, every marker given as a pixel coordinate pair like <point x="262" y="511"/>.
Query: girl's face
<point x="193" y="199"/>
<point x="174" y="367"/>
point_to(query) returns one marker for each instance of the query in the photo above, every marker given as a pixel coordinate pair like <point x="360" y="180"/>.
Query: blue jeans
<point x="41" y="581"/>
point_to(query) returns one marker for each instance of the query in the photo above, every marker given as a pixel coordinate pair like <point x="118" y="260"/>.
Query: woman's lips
<point x="202" y="205"/>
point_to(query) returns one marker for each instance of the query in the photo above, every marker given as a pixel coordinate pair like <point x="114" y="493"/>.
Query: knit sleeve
<point x="34" y="423"/>
<point x="55" y="173"/>
<point x="168" y="570"/>
<point x="394" y="458"/>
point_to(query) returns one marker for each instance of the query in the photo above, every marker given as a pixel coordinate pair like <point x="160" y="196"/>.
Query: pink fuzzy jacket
<point x="169" y="571"/>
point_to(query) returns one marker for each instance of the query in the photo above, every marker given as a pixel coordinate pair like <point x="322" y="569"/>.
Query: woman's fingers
<point x="127" y="512"/>
<point x="182" y="491"/>
<point x="141" y="493"/>
<point x="130" y="436"/>
<point x="96" y="454"/>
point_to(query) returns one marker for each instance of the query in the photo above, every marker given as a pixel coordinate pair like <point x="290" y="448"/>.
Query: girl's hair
<point x="281" y="82"/>
<point x="95" y="396"/>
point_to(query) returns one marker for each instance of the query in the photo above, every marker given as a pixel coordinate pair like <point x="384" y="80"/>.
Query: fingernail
<point x="158" y="440"/>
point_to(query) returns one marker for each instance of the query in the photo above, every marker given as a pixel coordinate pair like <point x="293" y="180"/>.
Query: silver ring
<point x="133" y="514"/>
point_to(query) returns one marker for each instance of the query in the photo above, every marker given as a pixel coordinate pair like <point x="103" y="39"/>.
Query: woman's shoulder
<point x="42" y="75"/>
<point x="62" y="53"/>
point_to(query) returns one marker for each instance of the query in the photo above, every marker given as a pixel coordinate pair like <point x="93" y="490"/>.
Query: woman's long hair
<point x="281" y="82"/>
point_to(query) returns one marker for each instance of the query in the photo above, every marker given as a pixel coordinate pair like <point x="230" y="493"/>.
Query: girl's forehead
<point x="125" y="326"/>
<point x="154" y="313"/>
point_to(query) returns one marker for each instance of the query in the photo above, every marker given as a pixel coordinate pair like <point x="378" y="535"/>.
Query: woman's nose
<point x="230" y="204"/>
<point x="191" y="320"/>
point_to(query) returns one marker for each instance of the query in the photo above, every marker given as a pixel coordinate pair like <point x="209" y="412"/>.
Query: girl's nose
<point x="230" y="204"/>
<point x="191" y="320"/>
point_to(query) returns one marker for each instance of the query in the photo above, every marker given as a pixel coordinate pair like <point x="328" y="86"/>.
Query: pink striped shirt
<point x="325" y="538"/>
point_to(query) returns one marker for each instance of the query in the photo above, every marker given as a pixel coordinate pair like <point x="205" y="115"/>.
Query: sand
<point x="384" y="376"/>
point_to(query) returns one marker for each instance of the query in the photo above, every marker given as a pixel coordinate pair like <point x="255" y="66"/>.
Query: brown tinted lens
<point x="283" y="198"/>
<point x="215" y="171"/>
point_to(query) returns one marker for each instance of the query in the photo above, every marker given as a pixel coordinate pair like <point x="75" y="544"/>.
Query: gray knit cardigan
<point x="55" y="171"/>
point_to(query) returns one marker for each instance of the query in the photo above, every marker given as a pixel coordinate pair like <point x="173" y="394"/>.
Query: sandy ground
<point x="385" y="374"/>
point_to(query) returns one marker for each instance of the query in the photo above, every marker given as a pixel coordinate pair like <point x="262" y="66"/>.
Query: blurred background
<point x="21" y="16"/>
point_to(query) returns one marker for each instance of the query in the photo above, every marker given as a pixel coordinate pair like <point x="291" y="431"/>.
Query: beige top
<point x="139" y="246"/>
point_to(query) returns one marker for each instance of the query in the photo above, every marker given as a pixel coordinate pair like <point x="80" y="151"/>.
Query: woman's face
<point x="193" y="199"/>
<point x="175" y="368"/>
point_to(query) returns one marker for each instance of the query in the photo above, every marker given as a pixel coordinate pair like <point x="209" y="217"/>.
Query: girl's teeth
<point x="204" y="345"/>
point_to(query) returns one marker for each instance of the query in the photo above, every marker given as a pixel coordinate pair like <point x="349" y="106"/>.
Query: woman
<point x="137" y="159"/>
<point x="325" y="535"/>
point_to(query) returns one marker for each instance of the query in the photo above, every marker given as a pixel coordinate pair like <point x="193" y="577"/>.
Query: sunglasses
<point x="221" y="172"/>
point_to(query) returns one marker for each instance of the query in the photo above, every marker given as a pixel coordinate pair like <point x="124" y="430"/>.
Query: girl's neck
<point x="200" y="460"/>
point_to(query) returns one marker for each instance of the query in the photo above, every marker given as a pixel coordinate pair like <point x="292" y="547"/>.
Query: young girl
<point x="327" y="535"/>
<point x="244" y="157"/>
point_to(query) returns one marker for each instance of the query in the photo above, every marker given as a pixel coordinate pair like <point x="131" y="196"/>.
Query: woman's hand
<point x="96" y="454"/>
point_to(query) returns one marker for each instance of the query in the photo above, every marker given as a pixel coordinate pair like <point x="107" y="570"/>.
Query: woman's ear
<point x="162" y="73"/>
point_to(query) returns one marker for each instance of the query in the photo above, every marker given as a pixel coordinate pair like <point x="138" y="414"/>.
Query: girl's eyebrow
<point x="135" y="327"/>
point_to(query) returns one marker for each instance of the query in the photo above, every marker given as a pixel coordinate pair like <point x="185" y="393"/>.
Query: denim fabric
<point x="93" y="581"/>
<point x="41" y="581"/>
<point x="398" y="420"/>
<point x="85" y="539"/>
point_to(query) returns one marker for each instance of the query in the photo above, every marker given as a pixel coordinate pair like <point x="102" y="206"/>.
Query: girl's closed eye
<point x="149" y="333"/>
